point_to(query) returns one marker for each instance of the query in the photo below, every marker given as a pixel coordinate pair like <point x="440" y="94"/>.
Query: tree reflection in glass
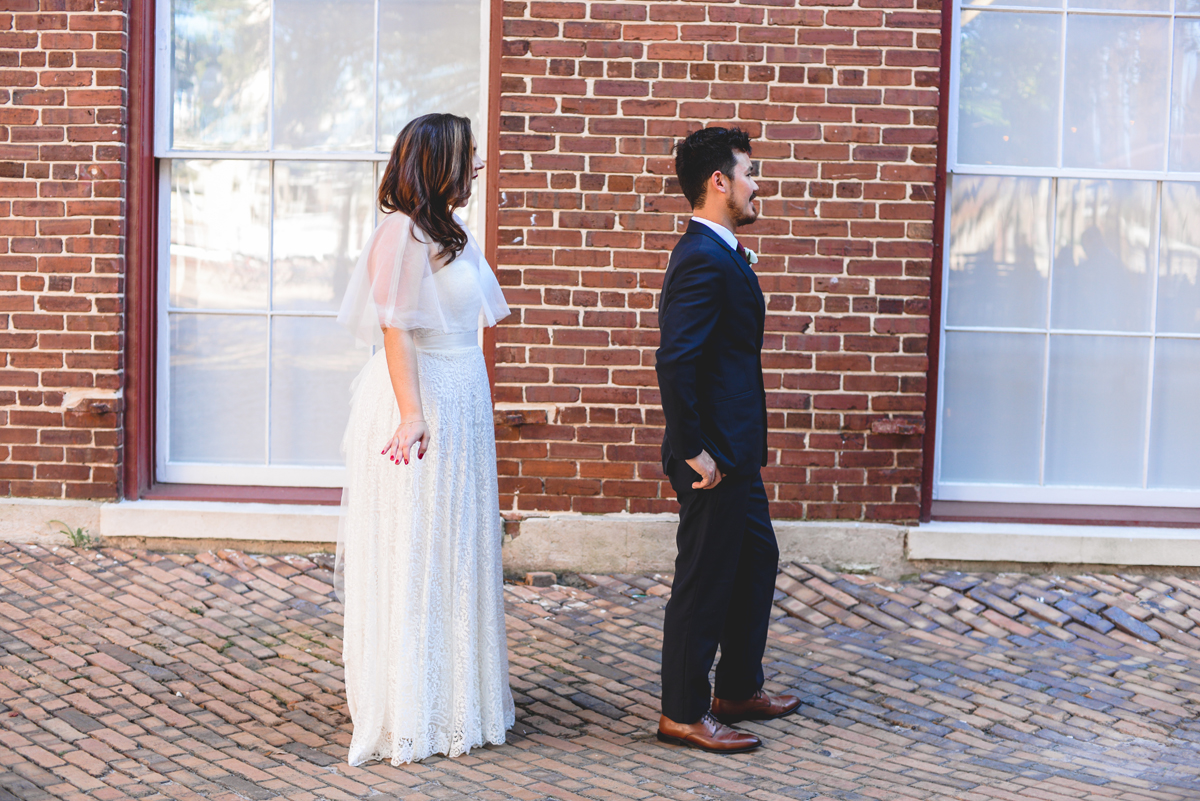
<point x="1008" y="89"/>
<point x="220" y="76"/>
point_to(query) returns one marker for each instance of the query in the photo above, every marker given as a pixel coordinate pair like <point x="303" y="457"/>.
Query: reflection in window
<point x="323" y="75"/>
<point x="220" y="75"/>
<point x="999" y="251"/>
<point x="1117" y="84"/>
<point x="219" y="231"/>
<point x="1185" y="97"/>
<point x="1179" y="259"/>
<point x="1009" y="86"/>
<point x="1102" y="276"/>
<point x="324" y="213"/>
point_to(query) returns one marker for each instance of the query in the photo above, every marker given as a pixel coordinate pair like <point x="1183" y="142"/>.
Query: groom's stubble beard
<point x="739" y="214"/>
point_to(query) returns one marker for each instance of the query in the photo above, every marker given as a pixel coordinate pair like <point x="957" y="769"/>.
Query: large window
<point x="274" y="120"/>
<point x="1071" y="329"/>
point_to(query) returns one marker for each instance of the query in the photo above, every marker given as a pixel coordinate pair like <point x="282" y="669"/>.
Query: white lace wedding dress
<point x="424" y="647"/>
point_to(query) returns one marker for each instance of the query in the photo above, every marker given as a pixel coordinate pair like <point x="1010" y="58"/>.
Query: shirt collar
<point x="726" y="235"/>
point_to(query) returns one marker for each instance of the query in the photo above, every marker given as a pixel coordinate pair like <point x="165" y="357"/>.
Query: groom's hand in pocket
<point x="703" y="464"/>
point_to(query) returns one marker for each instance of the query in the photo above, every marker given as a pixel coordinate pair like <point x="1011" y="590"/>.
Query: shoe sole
<point x="729" y="720"/>
<point x="666" y="738"/>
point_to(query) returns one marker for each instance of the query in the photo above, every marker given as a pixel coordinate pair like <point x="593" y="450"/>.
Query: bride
<point x="418" y="556"/>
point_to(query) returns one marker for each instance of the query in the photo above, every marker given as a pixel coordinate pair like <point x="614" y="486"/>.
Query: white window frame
<point x="1042" y="493"/>
<point x="266" y="475"/>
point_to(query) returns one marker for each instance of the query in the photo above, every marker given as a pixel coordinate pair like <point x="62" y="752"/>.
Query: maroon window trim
<point x="141" y="276"/>
<point x="141" y="237"/>
<point x="936" y="268"/>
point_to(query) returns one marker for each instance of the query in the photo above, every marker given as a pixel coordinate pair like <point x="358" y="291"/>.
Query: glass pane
<point x="1117" y="85"/>
<point x="220" y="211"/>
<point x="1096" y="410"/>
<point x="999" y="251"/>
<point x="324" y="212"/>
<point x="1175" y="426"/>
<point x="1179" y="259"/>
<point x="1026" y="3"/>
<point x="1009" y="88"/>
<point x="218" y="388"/>
<point x="1122" y="5"/>
<point x="323" y="74"/>
<point x="1185" y="98"/>
<point x="429" y="61"/>
<point x="220" y="74"/>
<point x="1102" y="278"/>
<point x="313" y="361"/>
<point x="992" y="410"/>
<point x="1187" y="7"/>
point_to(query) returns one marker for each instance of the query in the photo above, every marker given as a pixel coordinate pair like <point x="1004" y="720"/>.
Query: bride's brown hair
<point x="429" y="175"/>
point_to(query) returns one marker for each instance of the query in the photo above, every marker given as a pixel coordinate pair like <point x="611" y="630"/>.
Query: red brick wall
<point x="841" y="99"/>
<point x="62" y="128"/>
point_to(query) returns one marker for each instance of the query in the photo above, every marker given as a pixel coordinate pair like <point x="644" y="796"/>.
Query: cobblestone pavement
<point x="216" y="676"/>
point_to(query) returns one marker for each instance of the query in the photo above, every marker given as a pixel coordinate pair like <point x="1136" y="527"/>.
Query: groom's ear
<point x="718" y="181"/>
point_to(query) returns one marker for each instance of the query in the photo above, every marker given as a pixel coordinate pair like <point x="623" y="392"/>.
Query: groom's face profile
<point x="741" y="191"/>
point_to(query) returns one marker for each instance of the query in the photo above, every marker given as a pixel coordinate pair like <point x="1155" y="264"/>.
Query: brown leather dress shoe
<point x="707" y="734"/>
<point x="759" y="706"/>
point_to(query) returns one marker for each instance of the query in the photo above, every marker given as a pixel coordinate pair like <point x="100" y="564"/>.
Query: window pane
<point x="220" y="77"/>
<point x="1102" y="279"/>
<point x="999" y="251"/>
<point x="1121" y="5"/>
<point x="323" y="74"/>
<point x="313" y="361"/>
<point x="1117" y="85"/>
<point x="1026" y="3"/>
<point x="218" y="388"/>
<point x="1096" y="410"/>
<point x="1179" y="259"/>
<point x="1175" y="426"/>
<point x="220" y="211"/>
<point x="1185" y="99"/>
<point x="1009" y="88"/>
<point x="992" y="410"/>
<point x="429" y="61"/>
<point x="324" y="212"/>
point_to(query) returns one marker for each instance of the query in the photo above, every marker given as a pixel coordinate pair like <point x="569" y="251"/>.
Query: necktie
<point x="741" y="249"/>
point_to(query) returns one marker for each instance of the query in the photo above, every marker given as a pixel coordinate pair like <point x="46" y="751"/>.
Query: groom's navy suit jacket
<point x="709" y="360"/>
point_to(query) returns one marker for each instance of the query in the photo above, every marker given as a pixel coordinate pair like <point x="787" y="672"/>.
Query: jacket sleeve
<point x="688" y="312"/>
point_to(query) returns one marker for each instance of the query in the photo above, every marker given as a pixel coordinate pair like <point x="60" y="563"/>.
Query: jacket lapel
<point x="742" y="265"/>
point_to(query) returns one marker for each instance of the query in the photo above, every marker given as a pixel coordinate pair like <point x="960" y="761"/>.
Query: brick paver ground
<point x="156" y="676"/>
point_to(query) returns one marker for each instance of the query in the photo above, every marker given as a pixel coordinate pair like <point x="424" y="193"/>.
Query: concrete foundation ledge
<point x="611" y="543"/>
<point x="160" y="523"/>
<point x="636" y="543"/>
<point x="1054" y="544"/>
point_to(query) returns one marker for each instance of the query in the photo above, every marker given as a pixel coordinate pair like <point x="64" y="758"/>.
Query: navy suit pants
<point x="721" y="595"/>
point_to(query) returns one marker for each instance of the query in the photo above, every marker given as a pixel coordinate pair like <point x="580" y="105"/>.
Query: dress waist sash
<point x="437" y="342"/>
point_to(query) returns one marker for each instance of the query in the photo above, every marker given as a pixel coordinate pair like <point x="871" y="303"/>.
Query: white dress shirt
<point x="726" y="235"/>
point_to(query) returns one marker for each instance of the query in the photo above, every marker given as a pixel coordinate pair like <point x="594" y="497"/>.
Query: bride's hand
<point x="408" y="434"/>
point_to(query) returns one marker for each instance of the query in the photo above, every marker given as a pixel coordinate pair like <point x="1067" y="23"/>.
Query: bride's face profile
<point x="477" y="164"/>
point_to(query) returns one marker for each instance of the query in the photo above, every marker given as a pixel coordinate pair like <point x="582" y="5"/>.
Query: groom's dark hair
<point x="704" y="152"/>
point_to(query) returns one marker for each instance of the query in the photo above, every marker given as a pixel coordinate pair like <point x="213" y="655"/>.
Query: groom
<point x="710" y="317"/>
